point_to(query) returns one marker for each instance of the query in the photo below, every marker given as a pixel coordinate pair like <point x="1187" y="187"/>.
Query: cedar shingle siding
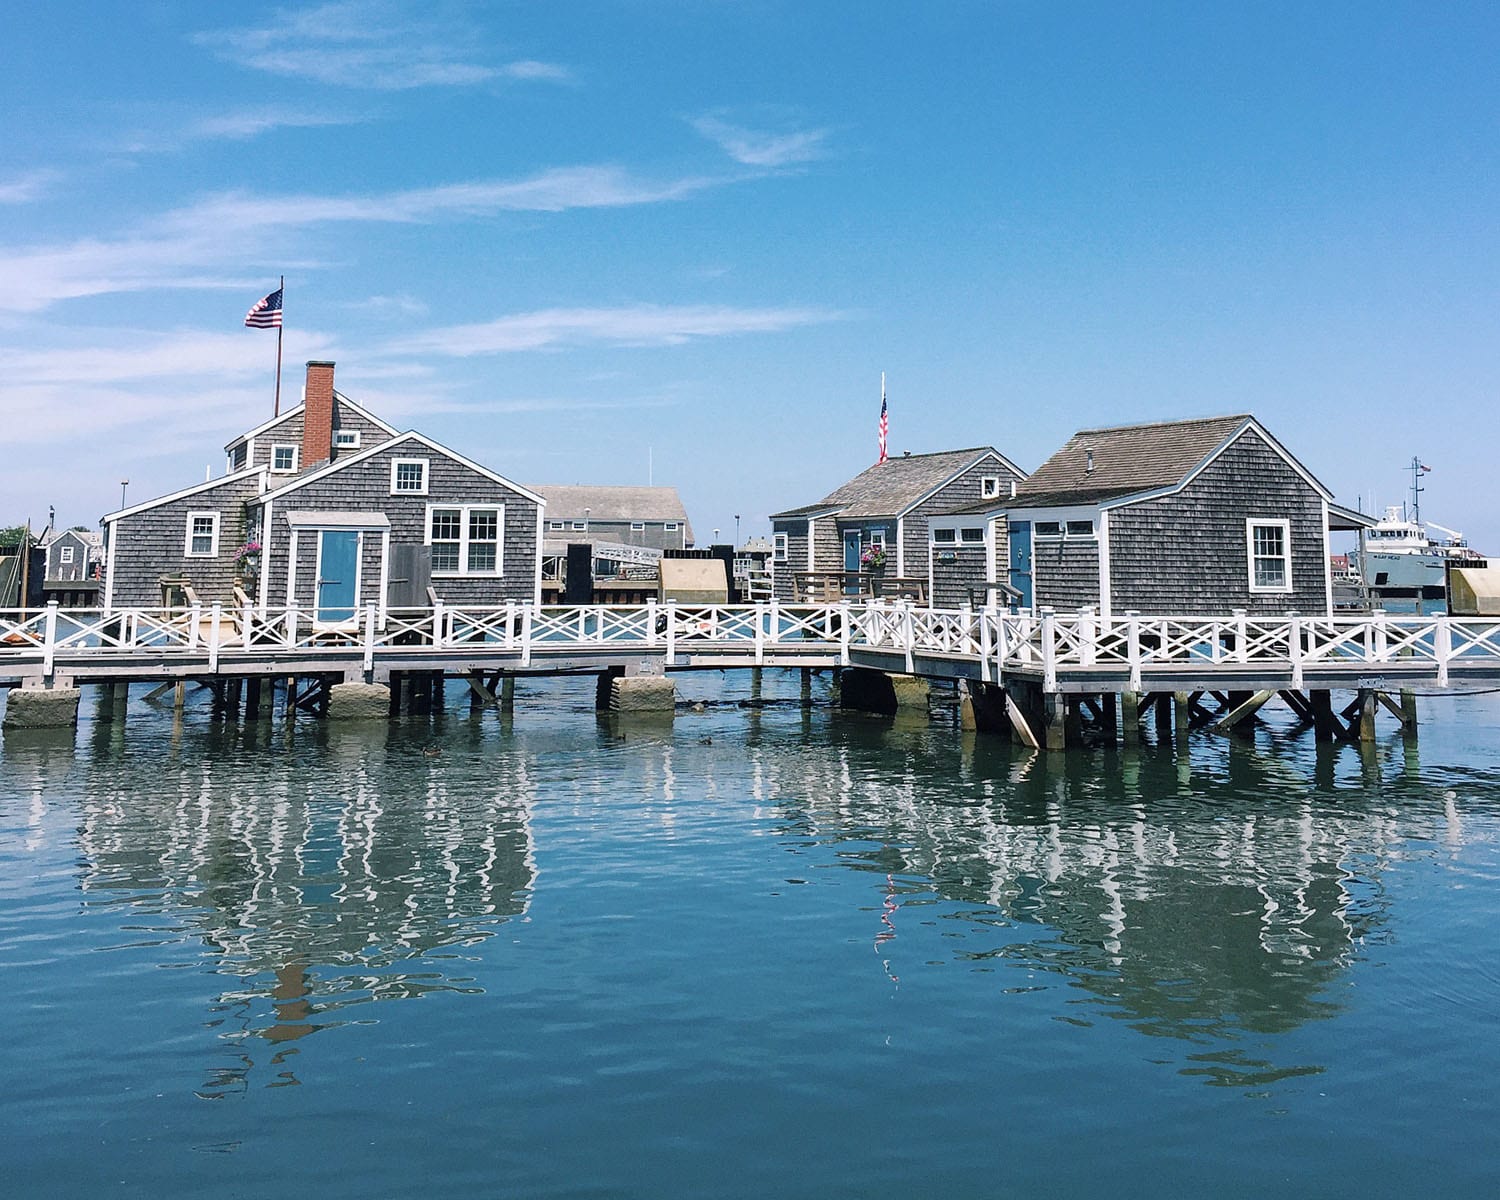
<point x="1065" y="572"/>
<point x="366" y="487"/>
<point x="288" y="432"/>
<point x="1186" y="553"/>
<point x="960" y="492"/>
<point x="960" y="581"/>
<point x="796" y="556"/>
<point x="149" y="545"/>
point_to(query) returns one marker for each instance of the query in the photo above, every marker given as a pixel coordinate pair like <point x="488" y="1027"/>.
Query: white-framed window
<point x="65" y="554"/>
<point x="1080" y="529"/>
<point x="580" y="524"/>
<point x="1269" y="547"/>
<point x="466" y="539"/>
<point x="1047" y="529"/>
<point x="408" y="477"/>
<point x="557" y="524"/>
<point x="671" y="526"/>
<point x="346" y="439"/>
<point x="944" y="537"/>
<point x="972" y="535"/>
<point x="201" y="539"/>
<point x="989" y="487"/>
<point x="778" y="547"/>
<point x="284" y="457"/>
<point x="637" y="527"/>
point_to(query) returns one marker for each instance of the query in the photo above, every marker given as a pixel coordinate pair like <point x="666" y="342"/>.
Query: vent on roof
<point x="1088" y="467"/>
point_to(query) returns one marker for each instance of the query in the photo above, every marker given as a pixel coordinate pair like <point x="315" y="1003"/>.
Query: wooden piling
<point x="1130" y="718"/>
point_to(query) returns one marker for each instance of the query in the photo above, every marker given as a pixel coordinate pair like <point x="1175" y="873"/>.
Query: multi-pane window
<point x="202" y="535"/>
<point x="989" y="487"/>
<point x="65" y="554"/>
<point x="1269" y="544"/>
<point x="409" y="477"/>
<point x="346" y="439"/>
<point x="972" y="535"/>
<point x="942" y="536"/>
<point x="283" y="458"/>
<point x="778" y="547"/>
<point x="1046" y="529"/>
<point x="465" y="540"/>
<point x="1080" y="529"/>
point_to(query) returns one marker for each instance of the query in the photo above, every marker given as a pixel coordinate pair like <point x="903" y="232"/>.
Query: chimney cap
<point x="320" y="362"/>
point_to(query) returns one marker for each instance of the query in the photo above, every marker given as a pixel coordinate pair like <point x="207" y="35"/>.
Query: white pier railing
<point x="988" y="642"/>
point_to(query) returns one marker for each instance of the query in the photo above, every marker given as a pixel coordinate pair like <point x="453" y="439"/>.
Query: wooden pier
<point x="1049" y="679"/>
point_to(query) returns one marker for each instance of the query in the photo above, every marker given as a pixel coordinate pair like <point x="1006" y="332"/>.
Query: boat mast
<point x="1416" y="489"/>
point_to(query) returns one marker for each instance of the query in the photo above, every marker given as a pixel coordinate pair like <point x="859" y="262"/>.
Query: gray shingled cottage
<point x="651" y="517"/>
<point x="886" y="506"/>
<point x="345" y="512"/>
<point x="1177" y="517"/>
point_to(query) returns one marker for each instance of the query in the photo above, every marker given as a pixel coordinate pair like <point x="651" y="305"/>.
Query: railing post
<point x="213" y="639"/>
<point x="1382" y="651"/>
<point x="1088" y="637"/>
<point x="986" y="644"/>
<point x="1049" y="649"/>
<point x="651" y="636"/>
<point x="1442" y="648"/>
<point x="967" y="641"/>
<point x="510" y="624"/>
<point x="844" y="633"/>
<point x="247" y="622"/>
<point x="1002" y="640"/>
<point x="760" y="632"/>
<point x="671" y="633"/>
<point x="1241" y="636"/>
<point x="909" y="634"/>
<point x="437" y="624"/>
<point x="1294" y="649"/>
<point x="49" y="638"/>
<point x="195" y="626"/>
<point x="1133" y="648"/>
<point x="369" y="640"/>
<point x="773" y="619"/>
<point x="526" y="615"/>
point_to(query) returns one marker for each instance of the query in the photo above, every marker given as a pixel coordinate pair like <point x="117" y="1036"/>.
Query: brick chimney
<point x="317" y="415"/>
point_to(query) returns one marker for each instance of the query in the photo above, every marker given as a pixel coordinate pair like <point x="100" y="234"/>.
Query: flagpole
<point x="276" y="410"/>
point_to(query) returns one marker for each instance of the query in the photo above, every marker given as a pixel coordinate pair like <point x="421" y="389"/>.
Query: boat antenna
<point x="1416" y="488"/>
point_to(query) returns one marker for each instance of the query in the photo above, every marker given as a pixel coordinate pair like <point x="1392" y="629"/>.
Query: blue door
<point x="338" y="564"/>
<point x="1020" y="562"/>
<point x="851" y="559"/>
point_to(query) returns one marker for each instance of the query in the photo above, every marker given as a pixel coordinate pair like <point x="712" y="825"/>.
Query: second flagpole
<point x="276" y="408"/>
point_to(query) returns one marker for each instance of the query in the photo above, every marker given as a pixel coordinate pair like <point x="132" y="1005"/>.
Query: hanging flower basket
<point x="873" y="559"/>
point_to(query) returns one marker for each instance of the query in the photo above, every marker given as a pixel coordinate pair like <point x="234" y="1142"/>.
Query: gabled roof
<point x="894" y="487"/>
<point x="605" y="503"/>
<point x="1135" y="461"/>
<point x="344" y="464"/>
<point x="338" y="396"/>
<point x="208" y="485"/>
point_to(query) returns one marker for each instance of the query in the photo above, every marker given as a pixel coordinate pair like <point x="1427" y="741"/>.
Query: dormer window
<point x="409" y="477"/>
<point x="989" y="487"/>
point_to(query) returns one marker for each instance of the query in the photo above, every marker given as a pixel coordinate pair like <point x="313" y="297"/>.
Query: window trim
<point x="989" y="487"/>
<point x="339" y="434"/>
<point x="296" y="457"/>
<point x="551" y="525"/>
<point x="945" y="535"/>
<point x="780" y="547"/>
<point x="1054" y="531"/>
<point x="637" y="527"/>
<point x="671" y="526"/>
<point x="463" y="511"/>
<point x="1285" y="526"/>
<point x="965" y="540"/>
<point x="65" y="555"/>
<point x="1069" y="533"/>
<point x="583" y="525"/>
<point x="212" y="515"/>
<point x="425" y="464"/>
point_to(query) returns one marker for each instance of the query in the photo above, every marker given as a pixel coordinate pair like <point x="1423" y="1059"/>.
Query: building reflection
<point x="1216" y="907"/>
<point x="321" y="877"/>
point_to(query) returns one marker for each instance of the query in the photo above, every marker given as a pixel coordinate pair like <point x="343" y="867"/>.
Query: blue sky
<point x="583" y="241"/>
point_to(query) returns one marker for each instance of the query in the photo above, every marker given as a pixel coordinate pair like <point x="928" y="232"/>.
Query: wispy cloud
<point x="761" y="148"/>
<point x="374" y="44"/>
<point x="233" y="126"/>
<point x="24" y="188"/>
<point x="211" y="242"/>
<point x="640" y="325"/>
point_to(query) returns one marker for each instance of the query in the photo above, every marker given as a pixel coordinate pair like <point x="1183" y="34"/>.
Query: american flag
<point x="885" y="427"/>
<point x="267" y="312"/>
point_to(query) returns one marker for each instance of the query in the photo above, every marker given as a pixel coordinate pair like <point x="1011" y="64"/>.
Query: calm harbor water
<point x="746" y="953"/>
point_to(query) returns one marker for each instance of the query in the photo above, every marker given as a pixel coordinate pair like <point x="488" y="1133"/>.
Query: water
<point x="748" y="953"/>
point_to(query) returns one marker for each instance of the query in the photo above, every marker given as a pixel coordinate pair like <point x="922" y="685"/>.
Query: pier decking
<point x="1056" y="656"/>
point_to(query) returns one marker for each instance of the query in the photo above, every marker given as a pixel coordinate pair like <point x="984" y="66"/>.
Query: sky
<point x="679" y="241"/>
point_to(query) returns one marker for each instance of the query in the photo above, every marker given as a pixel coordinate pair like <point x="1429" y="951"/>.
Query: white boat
<point x="1400" y="557"/>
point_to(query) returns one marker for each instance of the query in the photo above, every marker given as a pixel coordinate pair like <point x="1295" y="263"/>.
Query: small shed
<point x="1176" y="517"/>
<point x="882" y="513"/>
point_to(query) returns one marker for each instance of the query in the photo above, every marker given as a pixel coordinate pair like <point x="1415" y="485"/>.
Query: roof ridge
<point x="1162" y="424"/>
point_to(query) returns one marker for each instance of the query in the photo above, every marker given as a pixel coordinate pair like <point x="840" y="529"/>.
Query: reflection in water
<point x="344" y="871"/>
<point x="1201" y="907"/>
